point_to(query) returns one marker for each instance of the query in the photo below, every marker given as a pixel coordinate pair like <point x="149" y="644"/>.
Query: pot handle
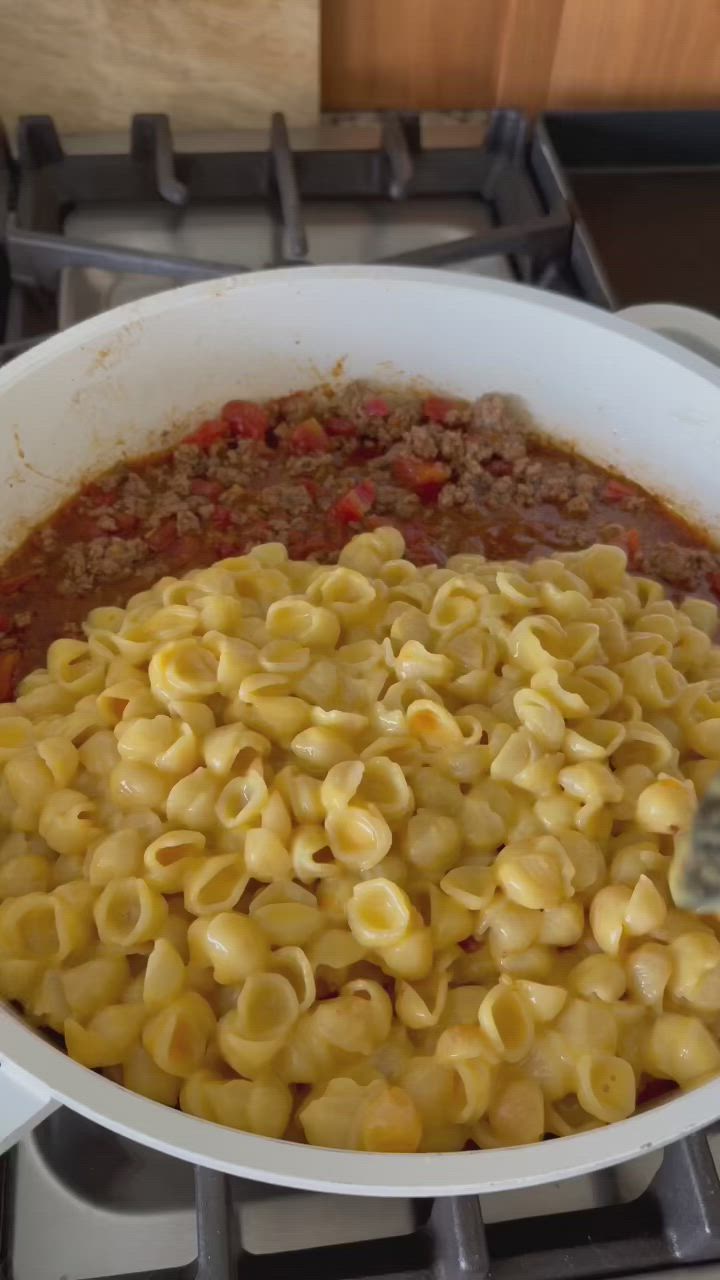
<point x="696" y="330"/>
<point x="22" y="1105"/>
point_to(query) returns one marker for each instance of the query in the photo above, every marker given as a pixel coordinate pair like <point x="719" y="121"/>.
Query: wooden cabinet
<point x="533" y="54"/>
<point x="226" y="63"/>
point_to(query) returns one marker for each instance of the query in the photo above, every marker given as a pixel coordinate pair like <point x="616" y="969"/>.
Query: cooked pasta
<point x="370" y="854"/>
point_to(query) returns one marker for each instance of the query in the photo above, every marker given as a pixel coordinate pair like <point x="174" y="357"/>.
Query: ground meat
<point x="462" y="495"/>
<point x="83" y="564"/>
<point x="390" y="500"/>
<point x="236" y="466"/>
<point x="234" y="496"/>
<point x="134" y="488"/>
<point x="306" y="464"/>
<point x="284" y="507"/>
<point x="681" y="566"/>
<point x="187" y="521"/>
<point x="635" y="502"/>
<point x="316" y="403"/>
<point x="611" y="532"/>
<point x="425" y="441"/>
<point x="48" y="538"/>
<point x="491" y="410"/>
<point x="453" y="476"/>
<point x="578" y="506"/>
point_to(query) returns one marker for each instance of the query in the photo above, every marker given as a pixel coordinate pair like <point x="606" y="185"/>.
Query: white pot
<point x="110" y="387"/>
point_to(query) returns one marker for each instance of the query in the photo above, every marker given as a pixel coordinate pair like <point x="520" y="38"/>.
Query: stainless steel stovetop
<point x="90" y="223"/>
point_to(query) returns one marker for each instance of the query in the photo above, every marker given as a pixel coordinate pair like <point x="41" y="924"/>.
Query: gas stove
<point x="88" y="223"/>
<point x="80" y="1203"/>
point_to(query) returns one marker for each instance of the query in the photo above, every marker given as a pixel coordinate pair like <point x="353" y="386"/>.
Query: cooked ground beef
<point x="680" y="566"/>
<point x="313" y="468"/>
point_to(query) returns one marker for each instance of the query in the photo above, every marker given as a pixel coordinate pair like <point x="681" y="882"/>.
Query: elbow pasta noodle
<point x="368" y="854"/>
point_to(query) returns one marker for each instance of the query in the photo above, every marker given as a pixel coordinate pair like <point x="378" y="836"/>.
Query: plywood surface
<point x="410" y="53"/>
<point x="227" y="63"/>
<point x="639" y="53"/>
<point x="530" y="54"/>
<point x="210" y="64"/>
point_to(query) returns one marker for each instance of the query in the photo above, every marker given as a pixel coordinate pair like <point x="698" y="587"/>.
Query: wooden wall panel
<point x="379" y="54"/>
<point x="637" y="53"/>
<point x="525" y="53"/>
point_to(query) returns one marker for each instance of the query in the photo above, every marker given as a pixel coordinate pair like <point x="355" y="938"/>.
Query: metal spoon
<point x="695" y="871"/>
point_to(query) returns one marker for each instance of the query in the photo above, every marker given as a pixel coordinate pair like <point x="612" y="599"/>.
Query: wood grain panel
<point x="438" y="54"/>
<point x="637" y="53"/>
<point x="207" y="63"/>
<point x="527" y="53"/>
<point x="531" y="54"/>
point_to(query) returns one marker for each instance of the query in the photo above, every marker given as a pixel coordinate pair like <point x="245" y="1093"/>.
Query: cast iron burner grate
<point x="674" y="1222"/>
<point x="44" y="183"/>
<point x="677" y="1220"/>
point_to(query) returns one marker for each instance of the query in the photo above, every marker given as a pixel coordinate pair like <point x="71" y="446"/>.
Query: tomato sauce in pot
<point x="311" y="470"/>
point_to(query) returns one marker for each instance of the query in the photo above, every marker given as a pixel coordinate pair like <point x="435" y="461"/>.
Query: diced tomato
<point x="240" y="544"/>
<point x="618" y="493"/>
<point x="376" y="407"/>
<point x="308" y="437"/>
<point x="365" y="452"/>
<point x="6" y="623"/>
<point x="165" y="534"/>
<point x="633" y="545"/>
<point x="222" y="517"/>
<point x="9" y="663"/>
<point x="11" y="586"/>
<point x="470" y="945"/>
<point x="714" y="583"/>
<point x="208" y="433"/>
<point x="438" y="409"/>
<point x="354" y="504"/>
<point x="249" y="421"/>
<point x="258" y="532"/>
<point x="383" y="522"/>
<point x="184" y="549"/>
<point x="85" y="529"/>
<point x="311" y="487"/>
<point x="303" y="546"/>
<point x="126" y="523"/>
<point x="419" y="547"/>
<point x="203" y="488"/>
<point x="101" y="497"/>
<point x="425" y="478"/>
<point x="499" y="467"/>
<point x="651" y="1090"/>
<point x="226" y="549"/>
<point x="342" y="427"/>
<point x="629" y="540"/>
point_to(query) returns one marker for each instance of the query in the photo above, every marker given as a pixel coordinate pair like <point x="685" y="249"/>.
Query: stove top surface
<point x="86" y="224"/>
<point x="84" y="1204"/>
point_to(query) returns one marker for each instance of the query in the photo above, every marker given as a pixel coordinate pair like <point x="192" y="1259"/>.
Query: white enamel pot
<point x="110" y="387"/>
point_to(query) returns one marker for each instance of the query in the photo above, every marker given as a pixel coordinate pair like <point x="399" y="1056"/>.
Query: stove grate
<point x="675" y="1221"/>
<point x="530" y="216"/>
